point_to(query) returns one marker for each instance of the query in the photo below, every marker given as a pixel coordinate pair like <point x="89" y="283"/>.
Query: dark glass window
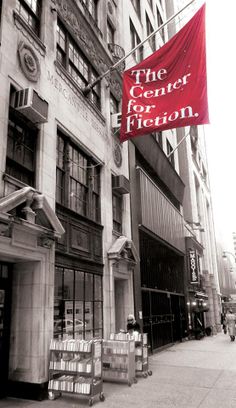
<point x="169" y="150"/>
<point x="21" y="150"/>
<point x="114" y="105"/>
<point x="30" y="11"/>
<point x="78" y="180"/>
<point x="159" y="23"/>
<point x="136" y="4"/>
<point x="78" y="304"/>
<point x="135" y="40"/>
<point x="149" y="31"/>
<point x="117" y="207"/>
<point x="74" y="61"/>
<point x="117" y="212"/>
<point x="158" y="137"/>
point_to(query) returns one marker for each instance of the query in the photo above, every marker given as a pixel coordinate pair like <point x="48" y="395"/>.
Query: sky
<point x="221" y="133"/>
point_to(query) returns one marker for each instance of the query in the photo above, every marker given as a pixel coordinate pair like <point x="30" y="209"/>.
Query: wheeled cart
<point x="76" y="367"/>
<point x="119" y="361"/>
<point x="141" y="356"/>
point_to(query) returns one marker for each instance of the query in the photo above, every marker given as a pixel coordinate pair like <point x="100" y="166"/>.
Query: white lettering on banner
<point x="135" y="111"/>
<point x="136" y="120"/>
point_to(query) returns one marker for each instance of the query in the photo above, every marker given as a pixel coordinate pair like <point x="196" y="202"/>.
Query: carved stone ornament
<point x="110" y="8"/>
<point x="29" y="62"/>
<point x="117" y="155"/>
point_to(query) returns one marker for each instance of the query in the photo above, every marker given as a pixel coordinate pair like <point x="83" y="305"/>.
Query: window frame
<point x="65" y="47"/>
<point x="159" y="23"/>
<point x="150" y="29"/>
<point x="34" y="16"/>
<point x="135" y="40"/>
<point x="73" y="302"/>
<point x="23" y="138"/>
<point x="169" y="149"/>
<point x="80" y="178"/>
<point x="117" y="209"/>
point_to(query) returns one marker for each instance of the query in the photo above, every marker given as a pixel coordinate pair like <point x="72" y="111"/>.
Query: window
<point x="78" y="180"/>
<point x="135" y="40"/>
<point x="158" y="137"/>
<point x="159" y="23"/>
<point x="73" y="60"/>
<point x="136" y="4"/>
<point x="110" y="33"/>
<point x="114" y="105"/>
<point x="169" y="149"/>
<point x="149" y="31"/>
<point x="78" y="304"/>
<point x="117" y="204"/>
<point x="30" y="11"/>
<point x="91" y="6"/>
<point x="21" y="150"/>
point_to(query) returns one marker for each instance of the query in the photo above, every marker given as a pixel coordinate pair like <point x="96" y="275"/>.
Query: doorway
<point x="120" y="315"/>
<point x="5" y="318"/>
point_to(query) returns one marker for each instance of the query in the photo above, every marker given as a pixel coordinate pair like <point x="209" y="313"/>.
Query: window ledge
<point x="28" y="33"/>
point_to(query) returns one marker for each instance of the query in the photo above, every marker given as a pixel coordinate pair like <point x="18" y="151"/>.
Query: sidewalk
<point x="192" y="374"/>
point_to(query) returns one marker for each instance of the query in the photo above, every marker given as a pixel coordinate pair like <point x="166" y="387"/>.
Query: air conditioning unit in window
<point x="120" y="184"/>
<point x="30" y="104"/>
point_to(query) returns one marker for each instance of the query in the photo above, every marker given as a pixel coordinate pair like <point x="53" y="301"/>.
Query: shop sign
<point x="193" y="266"/>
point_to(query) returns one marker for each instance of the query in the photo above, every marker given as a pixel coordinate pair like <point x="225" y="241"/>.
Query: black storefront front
<point x="162" y="288"/>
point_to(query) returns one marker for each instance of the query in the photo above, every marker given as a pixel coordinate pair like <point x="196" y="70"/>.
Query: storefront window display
<point x="77" y="304"/>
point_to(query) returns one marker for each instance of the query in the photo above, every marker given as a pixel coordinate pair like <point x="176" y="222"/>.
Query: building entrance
<point x="5" y="313"/>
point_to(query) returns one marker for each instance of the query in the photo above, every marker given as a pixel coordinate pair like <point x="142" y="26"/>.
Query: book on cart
<point x="119" y="359"/>
<point x="75" y="366"/>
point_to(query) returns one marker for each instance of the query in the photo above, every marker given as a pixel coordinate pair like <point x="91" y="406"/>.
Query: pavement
<point x="192" y="374"/>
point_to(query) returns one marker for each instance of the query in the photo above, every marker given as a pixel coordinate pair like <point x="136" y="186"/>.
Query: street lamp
<point x="230" y="253"/>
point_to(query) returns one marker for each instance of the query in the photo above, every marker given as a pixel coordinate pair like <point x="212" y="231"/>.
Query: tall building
<point x="66" y="254"/>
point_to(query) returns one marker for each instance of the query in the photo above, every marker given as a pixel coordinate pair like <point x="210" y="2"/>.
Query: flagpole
<point x="88" y="88"/>
<point x="176" y="147"/>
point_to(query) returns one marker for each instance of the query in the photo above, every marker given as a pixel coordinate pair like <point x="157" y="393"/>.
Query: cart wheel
<point x="51" y="396"/>
<point x="135" y="380"/>
<point x="145" y="375"/>
<point x="102" y="397"/>
<point x="150" y="372"/>
<point x="90" y="402"/>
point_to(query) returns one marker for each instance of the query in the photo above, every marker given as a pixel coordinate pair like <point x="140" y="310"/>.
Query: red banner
<point x="169" y="88"/>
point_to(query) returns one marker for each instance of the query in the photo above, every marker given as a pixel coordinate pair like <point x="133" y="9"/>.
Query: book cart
<point x="141" y="355"/>
<point x="119" y="360"/>
<point x="76" y="367"/>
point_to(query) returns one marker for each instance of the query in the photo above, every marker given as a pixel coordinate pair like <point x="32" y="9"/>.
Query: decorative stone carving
<point x="46" y="241"/>
<point x="110" y="8"/>
<point x="29" y="62"/>
<point x="117" y="155"/>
